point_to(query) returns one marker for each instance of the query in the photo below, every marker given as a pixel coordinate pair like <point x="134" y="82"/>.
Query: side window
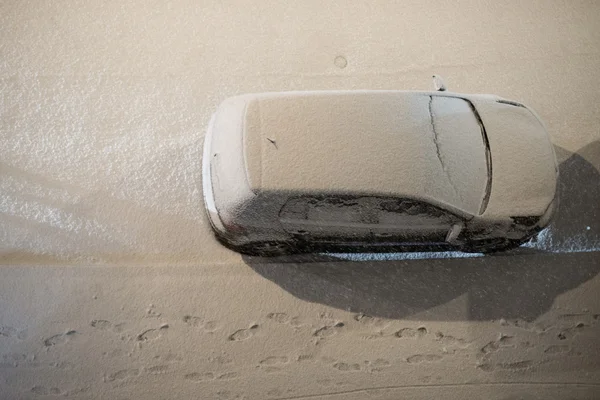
<point x="413" y="213"/>
<point x="325" y="209"/>
<point x="366" y="210"/>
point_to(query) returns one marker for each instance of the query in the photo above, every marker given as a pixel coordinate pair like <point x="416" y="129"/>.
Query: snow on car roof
<point x="412" y="144"/>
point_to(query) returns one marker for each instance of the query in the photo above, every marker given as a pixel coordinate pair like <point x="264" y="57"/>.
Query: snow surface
<point x="112" y="286"/>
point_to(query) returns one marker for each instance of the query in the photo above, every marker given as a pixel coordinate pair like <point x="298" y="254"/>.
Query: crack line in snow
<point x="437" y="148"/>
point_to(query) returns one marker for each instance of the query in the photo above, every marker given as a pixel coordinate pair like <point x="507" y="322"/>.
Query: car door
<point x="366" y="218"/>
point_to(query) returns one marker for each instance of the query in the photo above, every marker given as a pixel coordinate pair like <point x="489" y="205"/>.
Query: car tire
<point x="497" y="245"/>
<point x="267" y="249"/>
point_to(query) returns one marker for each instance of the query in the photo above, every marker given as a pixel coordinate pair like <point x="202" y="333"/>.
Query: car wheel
<point x="496" y="245"/>
<point x="267" y="249"/>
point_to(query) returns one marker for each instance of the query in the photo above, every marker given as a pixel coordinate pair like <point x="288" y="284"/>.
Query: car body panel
<point x="229" y="188"/>
<point x="465" y="154"/>
<point x="524" y="164"/>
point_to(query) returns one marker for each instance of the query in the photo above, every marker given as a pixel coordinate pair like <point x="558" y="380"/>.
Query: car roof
<point x="409" y="144"/>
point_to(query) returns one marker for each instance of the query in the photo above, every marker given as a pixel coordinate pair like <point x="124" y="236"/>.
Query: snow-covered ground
<point x="112" y="285"/>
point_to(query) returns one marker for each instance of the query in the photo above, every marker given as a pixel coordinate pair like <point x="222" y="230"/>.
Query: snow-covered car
<point x="376" y="171"/>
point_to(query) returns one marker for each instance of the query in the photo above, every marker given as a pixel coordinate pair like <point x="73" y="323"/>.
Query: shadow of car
<point x="519" y="286"/>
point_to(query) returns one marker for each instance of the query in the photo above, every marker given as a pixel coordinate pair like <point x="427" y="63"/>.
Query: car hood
<point x="403" y="144"/>
<point x="524" y="174"/>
